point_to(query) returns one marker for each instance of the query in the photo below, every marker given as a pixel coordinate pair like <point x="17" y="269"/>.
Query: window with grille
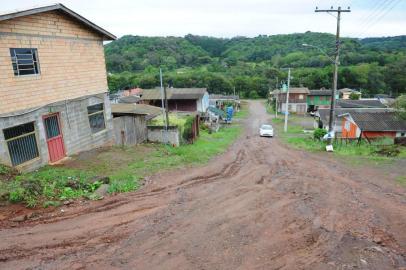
<point x="96" y="117"/>
<point x="21" y="143"/>
<point x="24" y="61"/>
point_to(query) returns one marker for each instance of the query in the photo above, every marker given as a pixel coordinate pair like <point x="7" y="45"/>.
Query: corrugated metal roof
<point x="174" y="93"/>
<point x="360" y="103"/>
<point x="320" y="93"/>
<point x="294" y="90"/>
<point x="324" y="114"/>
<point x="140" y="109"/>
<point x="59" y="7"/>
<point x="379" y="121"/>
<point x="129" y="99"/>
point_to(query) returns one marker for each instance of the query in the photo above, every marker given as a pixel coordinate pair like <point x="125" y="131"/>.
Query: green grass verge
<point x="243" y="113"/>
<point x="125" y="167"/>
<point x="357" y="153"/>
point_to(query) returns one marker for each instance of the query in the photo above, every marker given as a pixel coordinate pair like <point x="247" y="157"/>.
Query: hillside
<point x="374" y="65"/>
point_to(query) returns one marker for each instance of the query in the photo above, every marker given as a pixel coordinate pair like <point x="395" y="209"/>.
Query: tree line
<point x="253" y="66"/>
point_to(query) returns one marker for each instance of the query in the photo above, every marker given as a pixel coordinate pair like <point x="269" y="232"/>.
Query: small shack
<point x="130" y="122"/>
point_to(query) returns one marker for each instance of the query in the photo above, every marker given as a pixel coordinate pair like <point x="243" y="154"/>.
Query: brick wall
<point x="71" y="59"/>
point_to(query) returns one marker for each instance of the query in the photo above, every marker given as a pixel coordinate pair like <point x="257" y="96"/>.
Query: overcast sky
<point x="229" y="18"/>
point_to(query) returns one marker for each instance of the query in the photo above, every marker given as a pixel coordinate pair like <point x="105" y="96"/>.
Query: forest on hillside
<point x="253" y="66"/>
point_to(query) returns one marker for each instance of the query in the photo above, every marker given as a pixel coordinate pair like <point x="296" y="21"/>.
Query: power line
<point x="379" y="16"/>
<point x="375" y="12"/>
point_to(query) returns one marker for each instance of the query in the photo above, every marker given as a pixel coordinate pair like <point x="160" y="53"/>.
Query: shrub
<point x="319" y="133"/>
<point x="187" y="128"/>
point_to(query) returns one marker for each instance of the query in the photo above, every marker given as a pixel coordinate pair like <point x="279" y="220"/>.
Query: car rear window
<point x="266" y="127"/>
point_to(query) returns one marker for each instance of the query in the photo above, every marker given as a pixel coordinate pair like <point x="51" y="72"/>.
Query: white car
<point x="266" y="130"/>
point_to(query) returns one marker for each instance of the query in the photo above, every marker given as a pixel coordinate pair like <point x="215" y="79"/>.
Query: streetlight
<point x="335" y="62"/>
<point x="321" y="50"/>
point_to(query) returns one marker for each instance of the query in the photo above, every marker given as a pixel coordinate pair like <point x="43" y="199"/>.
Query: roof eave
<point x="106" y="35"/>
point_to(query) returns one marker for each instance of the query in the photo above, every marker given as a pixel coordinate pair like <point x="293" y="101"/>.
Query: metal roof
<point x="324" y="114"/>
<point x="135" y="109"/>
<point x="129" y="99"/>
<point x="379" y="121"/>
<point x="294" y="90"/>
<point x="320" y="93"/>
<point x="174" y="93"/>
<point x="58" y="7"/>
<point x="360" y="103"/>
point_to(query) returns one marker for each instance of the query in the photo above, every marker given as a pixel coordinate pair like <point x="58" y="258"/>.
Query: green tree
<point x="400" y="105"/>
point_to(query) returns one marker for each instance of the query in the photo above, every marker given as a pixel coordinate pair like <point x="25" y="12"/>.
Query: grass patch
<point x="125" y="168"/>
<point x="243" y="113"/>
<point x="378" y="151"/>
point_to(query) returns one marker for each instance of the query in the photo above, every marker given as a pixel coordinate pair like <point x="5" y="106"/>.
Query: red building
<point x="372" y="125"/>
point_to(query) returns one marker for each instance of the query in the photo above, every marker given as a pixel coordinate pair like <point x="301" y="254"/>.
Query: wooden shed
<point x="130" y="122"/>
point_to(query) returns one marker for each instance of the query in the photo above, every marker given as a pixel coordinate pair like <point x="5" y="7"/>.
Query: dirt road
<point x="261" y="205"/>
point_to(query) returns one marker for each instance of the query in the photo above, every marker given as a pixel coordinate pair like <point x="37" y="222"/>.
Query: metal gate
<point x="56" y="148"/>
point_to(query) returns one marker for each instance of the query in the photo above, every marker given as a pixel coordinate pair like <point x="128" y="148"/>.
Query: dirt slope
<point x="261" y="205"/>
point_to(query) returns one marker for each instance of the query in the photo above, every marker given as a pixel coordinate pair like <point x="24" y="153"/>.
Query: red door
<point x="56" y="148"/>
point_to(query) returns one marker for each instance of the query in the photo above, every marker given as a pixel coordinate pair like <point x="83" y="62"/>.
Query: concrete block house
<point x="53" y="86"/>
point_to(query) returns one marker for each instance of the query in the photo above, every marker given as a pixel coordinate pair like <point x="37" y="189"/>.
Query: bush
<point x="319" y="133"/>
<point x="253" y="95"/>
<point x="187" y="128"/>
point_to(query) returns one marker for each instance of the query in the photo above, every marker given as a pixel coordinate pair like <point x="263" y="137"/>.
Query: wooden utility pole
<point x="336" y="64"/>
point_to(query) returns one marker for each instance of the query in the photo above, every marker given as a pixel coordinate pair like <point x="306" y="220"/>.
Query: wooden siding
<point x="71" y="59"/>
<point x="130" y="130"/>
<point x="378" y="134"/>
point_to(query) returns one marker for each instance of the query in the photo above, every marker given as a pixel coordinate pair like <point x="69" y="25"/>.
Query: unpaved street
<point x="261" y="205"/>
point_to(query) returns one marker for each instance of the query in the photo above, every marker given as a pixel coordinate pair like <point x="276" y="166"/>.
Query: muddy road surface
<point x="261" y="205"/>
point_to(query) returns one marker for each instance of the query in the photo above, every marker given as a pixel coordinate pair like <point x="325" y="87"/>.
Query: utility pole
<point x="277" y="96"/>
<point x="285" y="128"/>
<point x="164" y="102"/>
<point x="336" y="63"/>
<point x="166" y="110"/>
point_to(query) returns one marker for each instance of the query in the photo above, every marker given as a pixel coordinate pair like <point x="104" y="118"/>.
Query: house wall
<point x="320" y="101"/>
<point x="378" y="134"/>
<point x="299" y="108"/>
<point x="130" y="130"/>
<point x="75" y="128"/>
<point x="203" y="103"/>
<point x="349" y="129"/>
<point x="71" y="60"/>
